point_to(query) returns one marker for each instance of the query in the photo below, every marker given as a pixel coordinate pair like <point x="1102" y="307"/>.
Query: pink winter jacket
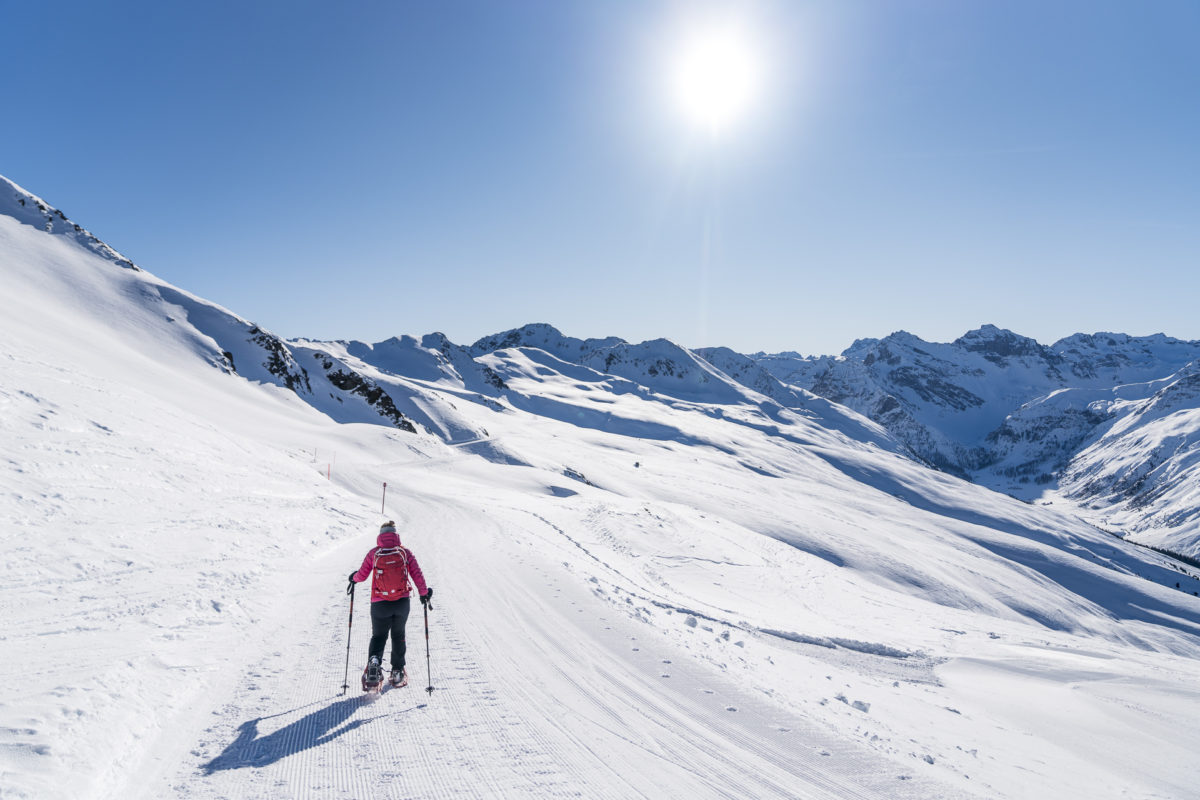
<point x="385" y="541"/>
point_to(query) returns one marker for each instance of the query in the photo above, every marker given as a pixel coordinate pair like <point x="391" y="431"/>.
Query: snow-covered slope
<point x="660" y="365"/>
<point x="1139" y="471"/>
<point x="658" y="574"/>
<point x="149" y="495"/>
<point x="168" y="322"/>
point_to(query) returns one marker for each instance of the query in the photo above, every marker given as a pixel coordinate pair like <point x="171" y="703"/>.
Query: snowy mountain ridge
<point x="1005" y="411"/>
<point x="646" y="558"/>
<point x="29" y="209"/>
<point x="986" y="407"/>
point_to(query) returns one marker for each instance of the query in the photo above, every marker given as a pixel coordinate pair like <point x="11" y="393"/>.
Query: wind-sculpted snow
<point x="583" y="397"/>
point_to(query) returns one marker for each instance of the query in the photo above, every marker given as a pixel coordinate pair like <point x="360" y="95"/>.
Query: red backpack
<point x="390" y="580"/>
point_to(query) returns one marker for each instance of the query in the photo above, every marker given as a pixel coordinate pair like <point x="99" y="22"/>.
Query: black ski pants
<point x="388" y="617"/>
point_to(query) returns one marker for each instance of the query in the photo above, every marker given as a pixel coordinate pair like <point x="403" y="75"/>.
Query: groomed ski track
<point x="513" y="633"/>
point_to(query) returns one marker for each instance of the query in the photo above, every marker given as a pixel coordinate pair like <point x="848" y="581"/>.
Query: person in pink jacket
<point x="390" y="566"/>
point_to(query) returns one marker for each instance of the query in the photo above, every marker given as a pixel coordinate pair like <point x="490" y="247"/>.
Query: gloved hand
<point x="350" y="586"/>
<point x="427" y="598"/>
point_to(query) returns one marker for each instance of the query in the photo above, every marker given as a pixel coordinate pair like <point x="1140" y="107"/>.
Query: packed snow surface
<point x="640" y="592"/>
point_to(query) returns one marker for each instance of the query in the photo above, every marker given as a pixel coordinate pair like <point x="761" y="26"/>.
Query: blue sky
<point x="363" y="170"/>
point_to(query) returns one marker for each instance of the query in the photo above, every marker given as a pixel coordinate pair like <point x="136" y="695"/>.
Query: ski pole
<point x="428" y="671"/>
<point x="349" y="627"/>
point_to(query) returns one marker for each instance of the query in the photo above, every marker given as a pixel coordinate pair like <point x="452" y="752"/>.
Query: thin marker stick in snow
<point x="349" y="627"/>
<point x="383" y="502"/>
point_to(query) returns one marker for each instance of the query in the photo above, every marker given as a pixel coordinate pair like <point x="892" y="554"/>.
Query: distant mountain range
<point x="1106" y="421"/>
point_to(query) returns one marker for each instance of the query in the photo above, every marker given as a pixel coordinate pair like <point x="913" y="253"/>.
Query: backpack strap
<point x="407" y="571"/>
<point x="387" y="551"/>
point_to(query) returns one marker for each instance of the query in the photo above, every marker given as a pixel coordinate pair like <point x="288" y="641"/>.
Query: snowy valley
<point x="913" y="570"/>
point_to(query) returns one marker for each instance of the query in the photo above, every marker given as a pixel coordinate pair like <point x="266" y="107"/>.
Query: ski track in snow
<point x="286" y="730"/>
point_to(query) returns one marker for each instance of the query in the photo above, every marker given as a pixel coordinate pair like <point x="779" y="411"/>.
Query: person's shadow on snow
<point x="312" y="730"/>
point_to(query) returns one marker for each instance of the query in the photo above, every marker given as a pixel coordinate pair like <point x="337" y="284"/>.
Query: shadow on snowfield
<point x="312" y="730"/>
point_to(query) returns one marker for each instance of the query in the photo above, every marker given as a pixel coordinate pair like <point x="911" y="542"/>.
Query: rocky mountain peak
<point x="544" y="337"/>
<point x="999" y="343"/>
<point x="885" y="348"/>
<point x="29" y="209"/>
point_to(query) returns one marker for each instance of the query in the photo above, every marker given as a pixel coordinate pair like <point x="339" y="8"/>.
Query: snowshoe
<point x="372" y="676"/>
<point x="399" y="677"/>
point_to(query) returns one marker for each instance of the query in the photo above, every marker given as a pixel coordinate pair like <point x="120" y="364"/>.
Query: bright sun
<point x="716" y="77"/>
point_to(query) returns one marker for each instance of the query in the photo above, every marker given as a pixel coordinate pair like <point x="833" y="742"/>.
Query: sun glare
<point x="716" y="77"/>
